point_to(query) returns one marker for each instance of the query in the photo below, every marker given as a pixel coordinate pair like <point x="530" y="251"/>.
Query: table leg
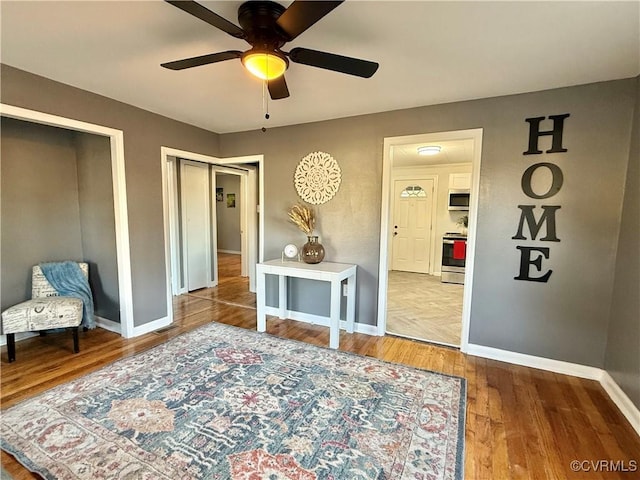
<point x="351" y="303"/>
<point x="334" y="316"/>
<point x="282" y="296"/>
<point x="260" y="301"/>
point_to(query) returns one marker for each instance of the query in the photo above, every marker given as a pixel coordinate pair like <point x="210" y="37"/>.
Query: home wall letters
<point x="533" y="256"/>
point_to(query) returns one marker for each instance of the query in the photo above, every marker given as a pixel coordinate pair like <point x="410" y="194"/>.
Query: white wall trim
<point x="320" y="320"/>
<point x="19" y="336"/>
<point x="255" y="232"/>
<point x="152" y="326"/>
<point x="100" y="322"/>
<point x="626" y="406"/>
<point x="125" y="286"/>
<point x="557" y="366"/>
<point x="107" y="324"/>
<point x="617" y="395"/>
<point x="232" y="252"/>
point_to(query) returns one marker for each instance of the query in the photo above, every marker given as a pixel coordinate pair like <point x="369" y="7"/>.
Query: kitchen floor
<point x="421" y="306"/>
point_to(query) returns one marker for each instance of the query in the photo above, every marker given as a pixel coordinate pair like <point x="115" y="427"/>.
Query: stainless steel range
<point x="454" y="254"/>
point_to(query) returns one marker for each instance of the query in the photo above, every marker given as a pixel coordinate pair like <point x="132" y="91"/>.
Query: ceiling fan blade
<point x="302" y="14"/>
<point x="202" y="60"/>
<point x="331" y="61"/>
<point x="208" y="16"/>
<point x="278" y="88"/>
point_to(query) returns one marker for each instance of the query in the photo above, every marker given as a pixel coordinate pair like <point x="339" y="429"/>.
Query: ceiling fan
<point x="267" y="26"/>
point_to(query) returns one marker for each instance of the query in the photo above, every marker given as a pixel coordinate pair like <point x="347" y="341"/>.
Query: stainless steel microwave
<point x="459" y="199"/>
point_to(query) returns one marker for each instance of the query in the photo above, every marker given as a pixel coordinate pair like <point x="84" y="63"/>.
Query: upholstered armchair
<point x="46" y="310"/>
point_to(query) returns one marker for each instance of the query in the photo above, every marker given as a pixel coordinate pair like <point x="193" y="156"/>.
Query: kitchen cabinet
<point x="460" y="181"/>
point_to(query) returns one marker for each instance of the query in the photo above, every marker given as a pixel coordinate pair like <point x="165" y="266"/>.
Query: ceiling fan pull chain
<point x="265" y="99"/>
<point x="265" y="103"/>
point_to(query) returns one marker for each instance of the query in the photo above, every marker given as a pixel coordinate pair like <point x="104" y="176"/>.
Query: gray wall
<point x="57" y="204"/>
<point x="39" y="203"/>
<point x="228" y="219"/>
<point x="144" y="134"/>
<point x="565" y="319"/>
<point x="97" y="222"/>
<point x="623" y="344"/>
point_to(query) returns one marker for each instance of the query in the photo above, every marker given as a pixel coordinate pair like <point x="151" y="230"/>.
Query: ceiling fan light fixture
<point x="429" y="150"/>
<point x="265" y="65"/>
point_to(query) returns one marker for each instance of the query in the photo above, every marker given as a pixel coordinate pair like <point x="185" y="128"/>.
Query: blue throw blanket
<point x="69" y="281"/>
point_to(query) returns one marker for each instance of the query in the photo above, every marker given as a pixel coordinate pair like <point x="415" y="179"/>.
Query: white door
<point x="411" y="229"/>
<point x="196" y="223"/>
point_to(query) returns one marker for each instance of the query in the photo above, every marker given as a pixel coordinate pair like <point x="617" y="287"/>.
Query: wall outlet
<point x="345" y="290"/>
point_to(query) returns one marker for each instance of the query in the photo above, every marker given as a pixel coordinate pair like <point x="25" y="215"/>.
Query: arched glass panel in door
<point x="413" y="191"/>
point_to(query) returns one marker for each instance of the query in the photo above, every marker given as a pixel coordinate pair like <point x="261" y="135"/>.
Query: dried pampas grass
<point x="303" y="217"/>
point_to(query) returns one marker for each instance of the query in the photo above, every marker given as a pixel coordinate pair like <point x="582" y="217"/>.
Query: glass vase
<point x="312" y="251"/>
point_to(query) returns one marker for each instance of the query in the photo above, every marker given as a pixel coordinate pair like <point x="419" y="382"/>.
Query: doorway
<point x="394" y="167"/>
<point x="248" y="200"/>
<point x="115" y="138"/>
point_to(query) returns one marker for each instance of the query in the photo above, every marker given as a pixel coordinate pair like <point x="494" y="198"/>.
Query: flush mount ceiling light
<point x="265" y="65"/>
<point x="429" y="150"/>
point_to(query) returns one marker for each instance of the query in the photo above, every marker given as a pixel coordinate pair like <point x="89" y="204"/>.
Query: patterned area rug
<point x="227" y="403"/>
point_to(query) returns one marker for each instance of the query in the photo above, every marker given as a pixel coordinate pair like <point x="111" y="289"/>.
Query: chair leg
<point x="11" y="346"/>
<point x="76" y="341"/>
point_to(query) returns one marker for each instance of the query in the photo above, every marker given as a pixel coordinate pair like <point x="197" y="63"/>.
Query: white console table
<point x="324" y="271"/>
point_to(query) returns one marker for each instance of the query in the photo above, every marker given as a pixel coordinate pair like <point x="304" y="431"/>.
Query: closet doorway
<point x="178" y="167"/>
<point x="114" y="155"/>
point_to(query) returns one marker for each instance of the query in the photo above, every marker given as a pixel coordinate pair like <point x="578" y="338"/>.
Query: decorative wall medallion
<point x="317" y="178"/>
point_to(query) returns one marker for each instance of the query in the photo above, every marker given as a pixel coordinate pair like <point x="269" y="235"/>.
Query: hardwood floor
<point x="521" y="423"/>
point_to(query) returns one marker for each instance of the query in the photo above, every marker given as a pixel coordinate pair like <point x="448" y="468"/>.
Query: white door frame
<point x="385" y="251"/>
<point x="252" y="203"/>
<point x="116" y="138"/>
<point x="245" y="224"/>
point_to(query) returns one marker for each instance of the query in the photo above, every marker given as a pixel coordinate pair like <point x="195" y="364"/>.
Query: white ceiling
<point x="429" y="53"/>
<point x="451" y="151"/>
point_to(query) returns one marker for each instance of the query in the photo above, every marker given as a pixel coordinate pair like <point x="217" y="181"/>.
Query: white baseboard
<point x="557" y="366"/>
<point x="617" y="395"/>
<point x="107" y="324"/>
<point x="233" y="252"/>
<point x="19" y="336"/>
<point x="151" y="326"/>
<point x="321" y="320"/>
<point x="626" y="406"/>
<point x="100" y="322"/>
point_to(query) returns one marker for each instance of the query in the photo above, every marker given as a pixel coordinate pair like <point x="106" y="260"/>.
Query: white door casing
<point x="116" y="138"/>
<point x="412" y="225"/>
<point x="252" y="165"/>
<point x="386" y="218"/>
